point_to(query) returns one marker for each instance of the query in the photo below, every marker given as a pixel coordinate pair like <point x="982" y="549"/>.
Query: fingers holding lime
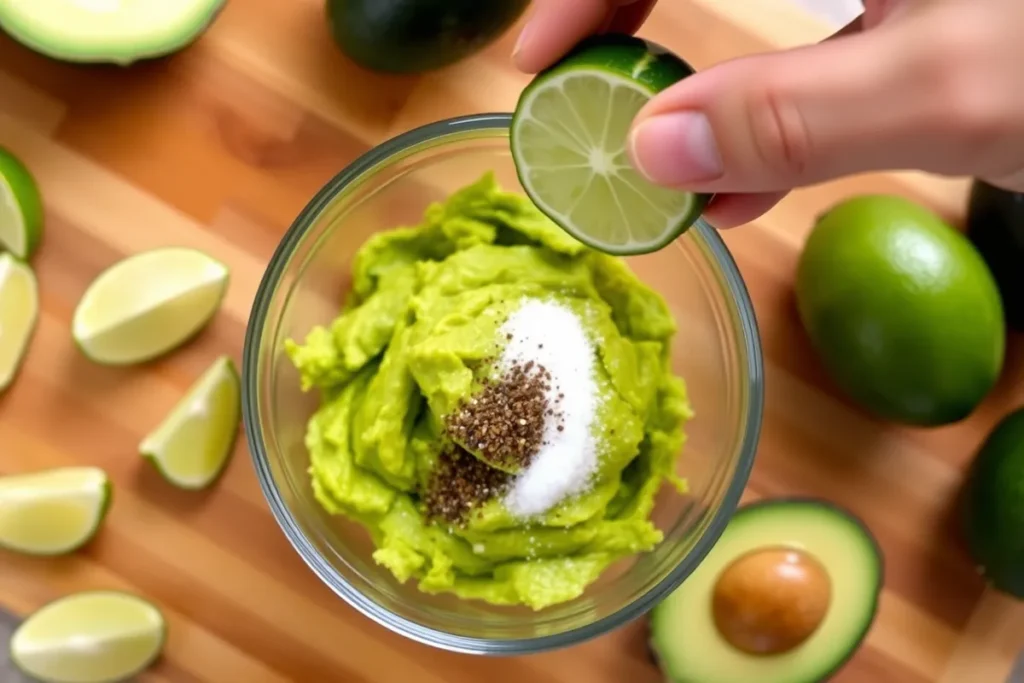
<point x="569" y="140"/>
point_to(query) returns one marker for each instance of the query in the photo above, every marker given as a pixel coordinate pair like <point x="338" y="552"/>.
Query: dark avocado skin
<point x="414" y="36"/>
<point x="995" y="224"/>
<point x="993" y="506"/>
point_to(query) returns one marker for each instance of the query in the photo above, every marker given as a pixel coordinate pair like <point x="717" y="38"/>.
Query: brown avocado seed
<point x="770" y="600"/>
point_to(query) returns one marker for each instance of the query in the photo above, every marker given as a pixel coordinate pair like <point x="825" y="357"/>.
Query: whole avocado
<point x="995" y="224"/>
<point x="993" y="506"/>
<point x="414" y="36"/>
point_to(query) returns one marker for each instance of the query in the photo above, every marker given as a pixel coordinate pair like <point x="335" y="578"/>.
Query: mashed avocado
<point x="420" y="321"/>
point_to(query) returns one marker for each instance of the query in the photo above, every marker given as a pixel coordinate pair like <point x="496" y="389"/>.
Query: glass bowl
<point x="717" y="351"/>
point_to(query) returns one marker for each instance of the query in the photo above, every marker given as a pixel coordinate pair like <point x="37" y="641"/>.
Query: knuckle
<point x="782" y="143"/>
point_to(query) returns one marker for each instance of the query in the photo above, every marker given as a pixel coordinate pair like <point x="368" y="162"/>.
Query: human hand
<point x="931" y="85"/>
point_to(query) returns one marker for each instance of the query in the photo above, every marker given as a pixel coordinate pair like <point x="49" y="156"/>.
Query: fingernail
<point x="675" y="149"/>
<point x="523" y="37"/>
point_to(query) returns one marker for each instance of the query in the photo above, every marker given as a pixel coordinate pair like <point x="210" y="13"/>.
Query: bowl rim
<point x="436" y="132"/>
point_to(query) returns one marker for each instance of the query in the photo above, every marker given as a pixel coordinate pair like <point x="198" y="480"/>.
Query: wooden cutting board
<point x="219" y="148"/>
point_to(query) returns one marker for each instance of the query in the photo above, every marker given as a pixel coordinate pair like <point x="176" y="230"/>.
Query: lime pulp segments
<point x="569" y="137"/>
<point x="19" y="312"/>
<point x="90" y="637"/>
<point x="21" y="208"/>
<point x="194" y="442"/>
<point x="54" y="511"/>
<point x="148" y="304"/>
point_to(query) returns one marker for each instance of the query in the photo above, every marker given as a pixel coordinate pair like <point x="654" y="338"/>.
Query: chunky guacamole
<point x="415" y="342"/>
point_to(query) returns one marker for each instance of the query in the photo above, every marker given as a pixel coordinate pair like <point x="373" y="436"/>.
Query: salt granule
<point x="551" y="335"/>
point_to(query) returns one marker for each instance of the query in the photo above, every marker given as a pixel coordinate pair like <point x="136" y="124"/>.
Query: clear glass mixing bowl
<point x="717" y="351"/>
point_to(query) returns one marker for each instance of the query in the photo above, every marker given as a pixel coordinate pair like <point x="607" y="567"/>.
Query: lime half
<point x="21" y="208"/>
<point x="148" y="304"/>
<point x="192" y="445"/>
<point x="569" y="136"/>
<point x="19" y="311"/>
<point x="52" y="512"/>
<point x="89" y="637"/>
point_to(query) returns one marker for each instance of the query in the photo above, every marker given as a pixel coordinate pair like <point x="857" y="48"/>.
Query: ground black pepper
<point x="504" y="423"/>
<point x="458" y="484"/>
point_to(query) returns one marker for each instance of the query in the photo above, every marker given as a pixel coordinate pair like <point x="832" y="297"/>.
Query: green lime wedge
<point x="53" y="512"/>
<point x="19" y="311"/>
<point x="89" y="637"/>
<point x="21" y="208"/>
<point x="148" y="304"/>
<point x="569" y="136"/>
<point x="192" y="445"/>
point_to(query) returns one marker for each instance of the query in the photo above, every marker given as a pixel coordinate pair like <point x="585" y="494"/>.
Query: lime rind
<point x="192" y="412"/>
<point x="18" y="333"/>
<point x="22" y="202"/>
<point x="163" y="319"/>
<point x="20" y="651"/>
<point x="568" y="142"/>
<point x="40" y="480"/>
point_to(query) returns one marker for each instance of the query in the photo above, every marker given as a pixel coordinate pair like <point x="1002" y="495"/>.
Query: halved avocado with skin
<point x="107" y="31"/>
<point x="785" y="596"/>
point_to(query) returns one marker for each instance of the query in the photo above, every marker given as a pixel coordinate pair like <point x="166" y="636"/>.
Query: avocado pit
<point x="770" y="600"/>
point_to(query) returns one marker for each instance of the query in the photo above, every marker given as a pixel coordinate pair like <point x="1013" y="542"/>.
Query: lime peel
<point x="54" y="511"/>
<point x="193" y="444"/>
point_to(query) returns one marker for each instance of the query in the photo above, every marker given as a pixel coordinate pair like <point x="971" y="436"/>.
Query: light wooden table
<point x="219" y="148"/>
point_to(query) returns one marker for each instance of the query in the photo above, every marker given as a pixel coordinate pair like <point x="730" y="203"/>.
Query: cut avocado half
<point x="107" y="31"/>
<point x="785" y="596"/>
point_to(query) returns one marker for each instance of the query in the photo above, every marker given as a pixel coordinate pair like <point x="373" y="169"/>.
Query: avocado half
<point x="107" y="31"/>
<point x="414" y="36"/>
<point x="691" y="648"/>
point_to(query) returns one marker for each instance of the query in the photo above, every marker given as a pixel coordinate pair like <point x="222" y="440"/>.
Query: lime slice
<point x="192" y="445"/>
<point x="21" y="208"/>
<point x="52" y="512"/>
<point x="89" y="637"/>
<point x="148" y="304"/>
<point x="569" y="135"/>
<point x="19" y="311"/>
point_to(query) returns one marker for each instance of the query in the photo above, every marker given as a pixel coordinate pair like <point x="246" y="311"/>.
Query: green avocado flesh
<point x="993" y="506"/>
<point x="684" y="635"/>
<point x="424" y="312"/>
<point x="114" y="31"/>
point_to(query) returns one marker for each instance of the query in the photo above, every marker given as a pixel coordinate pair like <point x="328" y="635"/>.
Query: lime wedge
<point x="19" y="311"/>
<point x="52" y="512"/>
<point x="148" y="304"/>
<point x="89" y="637"/>
<point x="192" y="445"/>
<point x="569" y="135"/>
<point x="21" y="208"/>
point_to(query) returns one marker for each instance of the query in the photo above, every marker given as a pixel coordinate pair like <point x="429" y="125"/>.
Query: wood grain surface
<point x="219" y="147"/>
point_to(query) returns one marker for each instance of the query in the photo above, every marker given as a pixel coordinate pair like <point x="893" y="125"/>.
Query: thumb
<point x="776" y="121"/>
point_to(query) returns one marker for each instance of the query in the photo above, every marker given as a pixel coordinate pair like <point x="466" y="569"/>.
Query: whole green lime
<point x="902" y="310"/>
